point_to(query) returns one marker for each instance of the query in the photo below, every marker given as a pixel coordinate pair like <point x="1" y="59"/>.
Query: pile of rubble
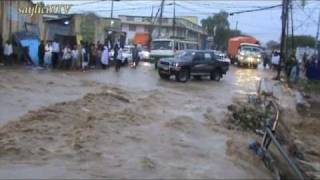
<point x="248" y="116"/>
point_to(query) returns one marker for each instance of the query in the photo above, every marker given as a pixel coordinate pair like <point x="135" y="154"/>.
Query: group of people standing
<point x="52" y="53"/>
<point x="293" y="67"/>
<point x="14" y="53"/>
<point x="83" y="56"/>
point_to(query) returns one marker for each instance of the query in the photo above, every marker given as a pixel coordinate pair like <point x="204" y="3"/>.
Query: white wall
<point x="139" y="28"/>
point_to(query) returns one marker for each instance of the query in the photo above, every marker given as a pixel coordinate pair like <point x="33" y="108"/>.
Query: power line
<point x="187" y="8"/>
<point x="309" y="16"/>
<point x="126" y="9"/>
<point x="86" y="3"/>
<point x="254" y="10"/>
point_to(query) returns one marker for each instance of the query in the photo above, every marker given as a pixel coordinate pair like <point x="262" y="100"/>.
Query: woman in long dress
<point x="105" y="57"/>
<point x="47" y="54"/>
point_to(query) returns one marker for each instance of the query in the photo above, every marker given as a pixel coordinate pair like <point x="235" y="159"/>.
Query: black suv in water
<point x="194" y="63"/>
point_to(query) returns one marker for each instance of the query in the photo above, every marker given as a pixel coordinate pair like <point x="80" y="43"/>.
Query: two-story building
<point x="184" y="28"/>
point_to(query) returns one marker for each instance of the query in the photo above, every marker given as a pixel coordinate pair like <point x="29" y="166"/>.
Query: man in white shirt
<point x="7" y="52"/>
<point x="55" y="53"/>
<point x="275" y="60"/>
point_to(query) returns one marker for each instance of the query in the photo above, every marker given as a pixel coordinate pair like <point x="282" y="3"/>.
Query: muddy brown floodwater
<point x="131" y="124"/>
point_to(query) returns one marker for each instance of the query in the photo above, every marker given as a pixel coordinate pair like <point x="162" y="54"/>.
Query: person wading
<point x="115" y="56"/>
<point x="135" y="56"/>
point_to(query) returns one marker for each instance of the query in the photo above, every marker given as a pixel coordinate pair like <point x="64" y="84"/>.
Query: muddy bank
<point x="23" y="89"/>
<point x="69" y="127"/>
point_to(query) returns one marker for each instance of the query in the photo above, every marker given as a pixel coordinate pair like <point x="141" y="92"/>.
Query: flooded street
<point x="130" y="124"/>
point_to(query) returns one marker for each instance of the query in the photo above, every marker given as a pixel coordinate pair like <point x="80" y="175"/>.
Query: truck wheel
<point x="215" y="75"/>
<point x="164" y="76"/>
<point x="183" y="75"/>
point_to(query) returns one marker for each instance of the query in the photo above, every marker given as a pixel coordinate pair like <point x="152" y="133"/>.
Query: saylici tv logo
<point x="40" y="8"/>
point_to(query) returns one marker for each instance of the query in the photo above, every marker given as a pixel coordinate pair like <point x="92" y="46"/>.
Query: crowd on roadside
<point x="294" y="67"/>
<point x="54" y="55"/>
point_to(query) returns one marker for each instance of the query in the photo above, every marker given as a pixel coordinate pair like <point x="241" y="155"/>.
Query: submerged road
<point x="178" y="143"/>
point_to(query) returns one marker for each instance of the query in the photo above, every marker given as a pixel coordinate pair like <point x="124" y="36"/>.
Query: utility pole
<point x="10" y="24"/>
<point x="161" y="12"/>
<point x="174" y="19"/>
<point x="286" y="42"/>
<point x="292" y="30"/>
<point x="237" y="25"/>
<point x="111" y="15"/>
<point x="152" y="13"/>
<point x="317" y="37"/>
<point x="284" y="18"/>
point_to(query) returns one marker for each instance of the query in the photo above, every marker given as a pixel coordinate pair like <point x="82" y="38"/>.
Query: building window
<point x="132" y="27"/>
<point x="146" y="19"/>
<point x="129" y="18"/>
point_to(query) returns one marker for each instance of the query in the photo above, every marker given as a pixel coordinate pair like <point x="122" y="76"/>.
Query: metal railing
<point x="269" y="137"/>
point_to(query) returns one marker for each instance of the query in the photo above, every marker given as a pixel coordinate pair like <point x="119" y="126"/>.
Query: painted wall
<point x="32" y="45"/>
<point x="92" y="28"/>
<point x="12" y="21"/>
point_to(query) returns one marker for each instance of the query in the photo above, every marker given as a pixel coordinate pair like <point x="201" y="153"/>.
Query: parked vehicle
<point x="249" y="54"/>
<point x="234" y="45"/>
<point x="144" y="54"/>
<point x="162" y="48"/>
<point x="196" y="63"/>
<point x="222" y="57"/>
<point x="126" y="54"/>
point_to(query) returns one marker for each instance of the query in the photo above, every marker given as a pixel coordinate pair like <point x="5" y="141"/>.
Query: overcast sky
<point x="264" y="25"/>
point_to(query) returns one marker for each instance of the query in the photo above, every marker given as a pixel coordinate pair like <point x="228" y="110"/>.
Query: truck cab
<point x="249" y="54"/>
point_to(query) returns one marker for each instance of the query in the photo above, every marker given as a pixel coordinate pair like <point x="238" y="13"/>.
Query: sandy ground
<point x="131" y="124"/>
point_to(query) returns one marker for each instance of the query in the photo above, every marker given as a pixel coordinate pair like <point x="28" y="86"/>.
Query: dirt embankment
<point x="70" y="128"/>
<point x="297" y="131"/>
<point x="303" y="131"/>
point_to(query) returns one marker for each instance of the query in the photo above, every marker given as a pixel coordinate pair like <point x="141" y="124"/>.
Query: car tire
<point x="164" y="76"/>
<point x="215" y="75"/>
<point x="183" y="75"/>
<point x="197" y="77"/>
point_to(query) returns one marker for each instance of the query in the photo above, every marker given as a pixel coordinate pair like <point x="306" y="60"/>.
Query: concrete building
<point x="86" y="27"/>
<point x="12" y="21"/>
<point x="185" y="29"/>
